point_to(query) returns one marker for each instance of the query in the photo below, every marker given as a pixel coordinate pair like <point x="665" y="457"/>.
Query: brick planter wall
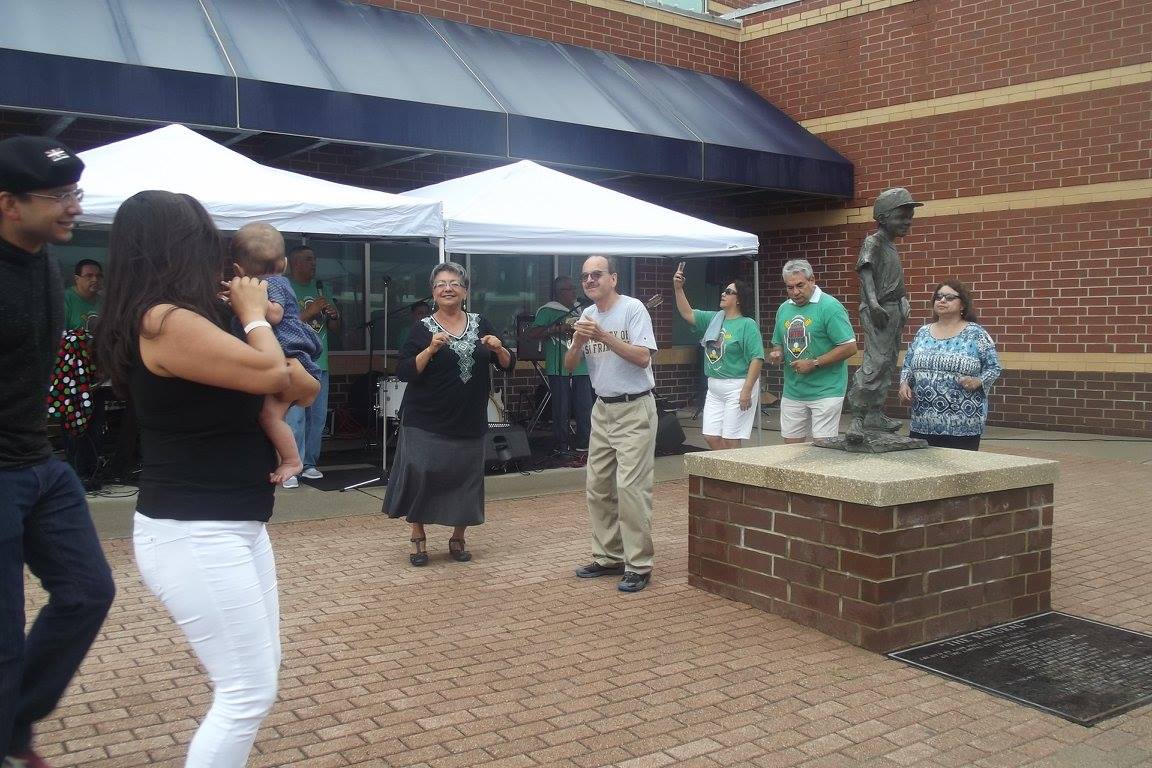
<point x="879" y="577"/>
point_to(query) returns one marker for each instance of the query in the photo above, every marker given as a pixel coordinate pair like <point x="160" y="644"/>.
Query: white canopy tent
<point x="236" y="190"/>
<point x="525" y="208"/>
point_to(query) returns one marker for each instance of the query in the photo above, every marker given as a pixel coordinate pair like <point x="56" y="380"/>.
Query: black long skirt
<point x="436" y="480"/>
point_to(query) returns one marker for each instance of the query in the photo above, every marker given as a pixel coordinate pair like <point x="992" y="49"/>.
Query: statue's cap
<point x="891" y="199"/>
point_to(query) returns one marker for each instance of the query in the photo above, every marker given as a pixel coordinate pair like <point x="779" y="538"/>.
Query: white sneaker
<point x="291" y="482"/>
<point x="312" y="473"/>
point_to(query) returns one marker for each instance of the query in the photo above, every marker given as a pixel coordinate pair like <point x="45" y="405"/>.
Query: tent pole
<point x="760" y="383"/>
<point x="440" y="244"/>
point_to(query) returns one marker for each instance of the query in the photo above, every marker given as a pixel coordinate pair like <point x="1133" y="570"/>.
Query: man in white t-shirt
<point x="615" y="336"/>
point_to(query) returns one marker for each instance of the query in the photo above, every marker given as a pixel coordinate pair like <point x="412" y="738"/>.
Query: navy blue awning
<point x="346" y="72"/>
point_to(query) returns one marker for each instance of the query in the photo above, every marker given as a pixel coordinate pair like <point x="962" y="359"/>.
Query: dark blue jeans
<point x="84" y="450"/>
<point x="571" y="398"/>
<point x="44" y="522"/>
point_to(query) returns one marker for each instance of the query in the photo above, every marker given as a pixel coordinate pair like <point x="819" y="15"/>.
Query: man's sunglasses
<point x="593" y="276"/>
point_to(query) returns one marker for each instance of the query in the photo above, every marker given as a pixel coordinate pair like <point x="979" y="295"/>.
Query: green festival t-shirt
<point x="730" y="355"/>
<point x="805" y="333"/>
<point x="78" y="310"/>
<point x="306" y="293"/>
<point x="555" y="348"/>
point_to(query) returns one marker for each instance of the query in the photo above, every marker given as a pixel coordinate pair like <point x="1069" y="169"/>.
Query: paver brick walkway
<point x="511" y="661"/>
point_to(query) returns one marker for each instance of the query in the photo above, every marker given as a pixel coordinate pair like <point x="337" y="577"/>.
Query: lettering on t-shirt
<point x="598" y="347"/>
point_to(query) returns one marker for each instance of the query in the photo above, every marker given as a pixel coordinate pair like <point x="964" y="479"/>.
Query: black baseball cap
<point x="28" y="163"/>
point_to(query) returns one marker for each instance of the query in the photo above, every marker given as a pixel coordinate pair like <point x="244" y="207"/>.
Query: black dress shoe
<point x="594" y="569"/>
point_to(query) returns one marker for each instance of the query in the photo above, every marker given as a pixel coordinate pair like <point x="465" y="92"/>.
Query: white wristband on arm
<point x="256" y="324"/>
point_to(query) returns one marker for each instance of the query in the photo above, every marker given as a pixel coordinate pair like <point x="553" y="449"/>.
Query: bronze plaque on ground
<point x="1080" y="670"/>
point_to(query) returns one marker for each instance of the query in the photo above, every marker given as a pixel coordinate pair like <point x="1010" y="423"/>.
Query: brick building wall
<point x="1025" y="128"/>
<point x="615" y="26"/>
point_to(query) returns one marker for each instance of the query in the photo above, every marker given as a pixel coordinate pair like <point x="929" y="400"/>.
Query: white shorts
<point x="816" y="418"/>
<point x="722" y="414"/>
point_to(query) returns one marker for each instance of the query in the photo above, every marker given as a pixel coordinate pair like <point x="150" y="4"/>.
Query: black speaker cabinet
<point x="505" y="443"/>
<point x="528" y="349"/>
<point x="669" y="433"/>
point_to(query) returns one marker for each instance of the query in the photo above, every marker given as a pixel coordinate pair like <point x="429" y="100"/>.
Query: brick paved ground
<point x="511" y="661"/>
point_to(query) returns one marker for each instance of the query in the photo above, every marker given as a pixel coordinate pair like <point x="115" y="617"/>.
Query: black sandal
<point x="420" y="556"/>
<point x="457" y="551"/>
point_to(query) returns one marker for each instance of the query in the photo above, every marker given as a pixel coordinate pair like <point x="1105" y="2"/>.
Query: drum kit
<point x="390" y="396"/>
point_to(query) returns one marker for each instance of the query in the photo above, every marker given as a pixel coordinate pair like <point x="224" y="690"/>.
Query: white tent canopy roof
<point x="236" y="190"/>
<point x="525" y="208"/>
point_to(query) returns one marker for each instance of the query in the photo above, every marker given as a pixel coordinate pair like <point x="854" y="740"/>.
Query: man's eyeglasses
<point x="727" y="292"/>
<point x="949" y="297"/>
<point x="453" y="284"/>
<point x="593" y="276"/>
<point x="64" y="198"/>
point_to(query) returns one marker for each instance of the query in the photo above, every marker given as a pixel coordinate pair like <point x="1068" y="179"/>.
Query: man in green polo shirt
<point x="571" y="391"/>
<point x="321" y="315"/>
<point x="813" y="339"/>
<point x="82" y="303"/>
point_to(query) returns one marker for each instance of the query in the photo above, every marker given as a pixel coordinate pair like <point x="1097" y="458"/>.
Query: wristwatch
<point x="815" y="362"/>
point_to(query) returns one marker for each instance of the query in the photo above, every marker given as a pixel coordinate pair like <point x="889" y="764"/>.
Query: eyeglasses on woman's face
<point x="440" y="285"/>
<point x="728" y="292"/>
<point x="948" y="297"/>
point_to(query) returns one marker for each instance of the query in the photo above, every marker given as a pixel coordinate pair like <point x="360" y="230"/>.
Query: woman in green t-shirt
<point x="733" y="356"/>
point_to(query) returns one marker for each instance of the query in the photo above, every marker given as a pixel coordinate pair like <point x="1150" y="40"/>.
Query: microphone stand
<point x="382" y="398"/>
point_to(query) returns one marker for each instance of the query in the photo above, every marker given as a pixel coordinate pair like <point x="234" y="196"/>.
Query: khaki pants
<point x="621" y="460"/>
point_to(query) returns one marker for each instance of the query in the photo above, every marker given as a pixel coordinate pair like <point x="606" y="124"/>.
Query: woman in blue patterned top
<point x="948" y="370"/>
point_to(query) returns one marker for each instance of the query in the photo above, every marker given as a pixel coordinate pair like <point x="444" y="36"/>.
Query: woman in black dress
<point x="438" y="472"/>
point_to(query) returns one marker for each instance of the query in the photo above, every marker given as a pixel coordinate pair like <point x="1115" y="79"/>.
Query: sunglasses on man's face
<point x="592" y="276"/>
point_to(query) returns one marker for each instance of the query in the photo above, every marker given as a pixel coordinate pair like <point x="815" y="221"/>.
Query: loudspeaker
<point x="528" y="349"/>
<point x="669" y="433"/>
<point x="505" y="443"/>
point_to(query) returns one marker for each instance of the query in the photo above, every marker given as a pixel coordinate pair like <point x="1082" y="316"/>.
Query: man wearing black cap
<point x="44" y="520"/>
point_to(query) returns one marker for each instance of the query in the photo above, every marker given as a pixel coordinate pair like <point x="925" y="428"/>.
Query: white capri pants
<point x="819" y="419"/>
<point x="218" y="580"/>
<point x="722" y="414"/>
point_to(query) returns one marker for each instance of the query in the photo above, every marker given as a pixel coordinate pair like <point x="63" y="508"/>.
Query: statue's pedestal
<point x="883" y="551"/>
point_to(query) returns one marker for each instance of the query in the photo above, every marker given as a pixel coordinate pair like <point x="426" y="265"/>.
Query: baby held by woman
<point x="257" y="250"/>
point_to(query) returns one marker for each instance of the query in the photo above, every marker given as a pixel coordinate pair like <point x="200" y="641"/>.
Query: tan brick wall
<point x="608" y="25"/>
<point x="925" y="49"/>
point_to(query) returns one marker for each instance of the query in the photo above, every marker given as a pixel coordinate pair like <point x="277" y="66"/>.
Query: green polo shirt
<point x="306" y="293"/>
<point x="555" y="348"/>
<point x="78" y="310"/>
<point x="805" y="333"/>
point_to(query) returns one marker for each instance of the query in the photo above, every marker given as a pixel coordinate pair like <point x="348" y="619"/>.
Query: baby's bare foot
<point x="286" y="470"/>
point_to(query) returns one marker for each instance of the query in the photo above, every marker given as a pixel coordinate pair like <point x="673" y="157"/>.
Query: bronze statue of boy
<point x="883" y="312"/>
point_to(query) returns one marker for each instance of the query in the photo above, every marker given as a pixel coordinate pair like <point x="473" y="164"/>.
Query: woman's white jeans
<point x="218" y="580"/>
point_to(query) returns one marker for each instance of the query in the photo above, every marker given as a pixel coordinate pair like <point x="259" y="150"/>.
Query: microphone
<point x="329" y="310"/>
<point x="386" y="280"/>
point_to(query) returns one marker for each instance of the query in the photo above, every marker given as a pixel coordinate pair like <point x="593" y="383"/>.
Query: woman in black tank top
<point x="205" y="490"/>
